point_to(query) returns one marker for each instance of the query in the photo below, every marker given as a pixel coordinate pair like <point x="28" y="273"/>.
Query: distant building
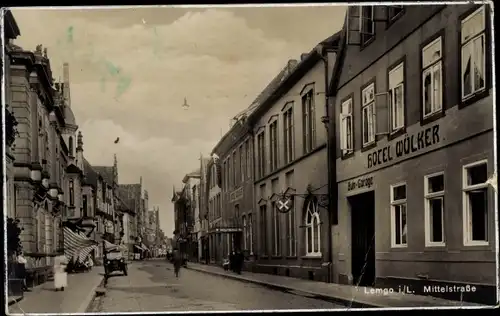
<point x="414" y="103"/>
<point x="203" y="246"/>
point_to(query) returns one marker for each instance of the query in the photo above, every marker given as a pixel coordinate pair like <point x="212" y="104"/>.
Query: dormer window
<point x="367" y="24"/>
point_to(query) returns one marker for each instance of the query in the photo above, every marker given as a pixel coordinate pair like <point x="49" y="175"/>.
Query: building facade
<point x="214" y="201"/>
<point x="414" y="107"/>
<point x="291" y="182"/>
<point x="131" y="195"/>
<point x="203" y="245"/>
<point x="39" y="181"/>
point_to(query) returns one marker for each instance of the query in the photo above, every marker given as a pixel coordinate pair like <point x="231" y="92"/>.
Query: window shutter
<point x="353" y="25"/>
<point x="381" y="114"/>
<point x="343" y="129"/>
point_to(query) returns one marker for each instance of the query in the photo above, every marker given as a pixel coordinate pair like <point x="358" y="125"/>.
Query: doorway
<point x="363" y="238"/>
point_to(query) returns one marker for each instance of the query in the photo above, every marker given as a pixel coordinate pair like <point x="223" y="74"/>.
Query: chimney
<point x="303" y="56"/>
<point x="292" y="63"/>
<point x="66" y="92"/>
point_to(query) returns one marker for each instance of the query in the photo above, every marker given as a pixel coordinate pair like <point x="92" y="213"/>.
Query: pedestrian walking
<point x="177" y="262"/>
<point x="60" y="274"/>
<point x="21" y="269"/>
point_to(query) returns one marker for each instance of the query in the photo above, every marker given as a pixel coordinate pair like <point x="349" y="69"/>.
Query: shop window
<point x="432" y="78"/>
<point x="313" y="229"/>
<point x="368" y="114"/>
<point x="434" y="210"/>
<point x="346" y="135"/>
<point x="396" y="97"/>
<point x="475" y="203"/>
<point x="473" y="53"/>
<point x="398" y="216"/>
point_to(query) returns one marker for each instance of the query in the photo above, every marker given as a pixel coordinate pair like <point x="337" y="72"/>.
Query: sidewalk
<point x="74" y="299"/>
<point x="347" y="295"/>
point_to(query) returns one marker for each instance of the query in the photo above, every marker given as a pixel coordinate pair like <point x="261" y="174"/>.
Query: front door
<point x="363" y="238"/>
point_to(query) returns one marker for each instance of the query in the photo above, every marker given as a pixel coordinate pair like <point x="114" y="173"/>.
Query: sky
<point x="130" y="70"/>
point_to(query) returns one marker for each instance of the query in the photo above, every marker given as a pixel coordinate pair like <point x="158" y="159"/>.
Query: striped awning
<point x="77" y="245"/>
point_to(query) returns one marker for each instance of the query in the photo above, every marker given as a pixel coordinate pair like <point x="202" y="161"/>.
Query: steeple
<point x="115" y="169"/>
<point x="79" y="141"/>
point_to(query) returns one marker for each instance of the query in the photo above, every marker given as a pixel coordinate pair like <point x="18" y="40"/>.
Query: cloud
<point x="129" y="80"/>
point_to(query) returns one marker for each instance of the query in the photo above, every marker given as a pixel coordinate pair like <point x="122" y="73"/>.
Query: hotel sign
<point x="408" y="145"/>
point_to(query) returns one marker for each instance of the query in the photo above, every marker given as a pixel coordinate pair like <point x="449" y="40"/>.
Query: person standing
<point x="21" y="269"/>
<point x="177" y="262"/>
<point x="60" y="274"/>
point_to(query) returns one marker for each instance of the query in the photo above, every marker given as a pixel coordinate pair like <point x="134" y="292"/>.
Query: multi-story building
<point x="291" y="179"/>
<point x="132" y="195"/>
<point x="191" y="190"/>
<point x="213" y="199"/>
<point x="203" y="248"/>
<point x="11" y="32"/>
<point x="38" y="176"/>
<point x="236" y="164"/>
<point x="414" y="106"/>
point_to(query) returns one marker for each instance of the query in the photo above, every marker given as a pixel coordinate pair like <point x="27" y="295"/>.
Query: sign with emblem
<point x="284" y="204"/>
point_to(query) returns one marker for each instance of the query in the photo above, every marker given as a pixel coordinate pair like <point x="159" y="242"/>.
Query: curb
<point x="15" y="300"/>
<point x="294" y="291"/>
<point x="90" y="298"/>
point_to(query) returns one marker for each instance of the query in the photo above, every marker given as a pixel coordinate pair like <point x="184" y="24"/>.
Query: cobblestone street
<point x="152" y="286"/>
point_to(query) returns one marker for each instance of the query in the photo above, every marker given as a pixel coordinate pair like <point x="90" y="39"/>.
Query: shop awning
<point x="77" y="245"/>
<point x="138" y="247"/>
<point x="144" y="247"/>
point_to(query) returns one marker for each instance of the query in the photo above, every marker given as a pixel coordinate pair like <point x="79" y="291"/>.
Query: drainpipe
<point x="331" y="168"/>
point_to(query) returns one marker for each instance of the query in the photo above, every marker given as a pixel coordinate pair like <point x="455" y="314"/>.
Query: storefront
<point x="417" y="210"/>
<point x="222" y="241"/>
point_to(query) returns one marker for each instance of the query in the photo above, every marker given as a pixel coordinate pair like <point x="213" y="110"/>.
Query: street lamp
<point x="36" y="172"/>
<point x="45" y="179"/>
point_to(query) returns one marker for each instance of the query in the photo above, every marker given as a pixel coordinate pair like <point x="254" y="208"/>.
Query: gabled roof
<point x="73" y="169"/>
<point x="194" y="174"/>
<point x="106" y="173"/>
<point x="91" y="175"/>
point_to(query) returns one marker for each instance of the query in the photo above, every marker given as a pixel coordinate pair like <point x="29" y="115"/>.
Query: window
<point x="84" y="206"/>
<point x="308" y="121"/>
<point x="245" y="233"/>
<point x="288" y="135"/>
<point x="473" y="53"/>
<point x="368" y="112"/>
<point x="475" y="203"/>
<point x="432" y="82"/>
<point x="224" y="179"/>
<point x="249" y="159"/>
<point x="261" y="155"/>
<point x="234" y="170"/>
<point x="276" y="230"/>
<point x="290" y="230"/>
<point x="250" y="232"/>
<point x="243" y="150"/>
<point x="313" y="230"/>
<point x="346" y="136"/>
<point x="394" y="12"/>
<point x="263" y="230"/>
<point x="396" y="97"/>
<point x="398" y="216"/>
<point x="229" y="173"/>
<point x="273" y="141"/>
<point x="367" y="24"/>
<point x="70" y="146"/>
<point x="434" y="209"/>
<point x="71" y="193"/>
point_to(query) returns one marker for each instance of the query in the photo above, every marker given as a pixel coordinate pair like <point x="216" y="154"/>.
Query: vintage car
<point x="115" y="260"/>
